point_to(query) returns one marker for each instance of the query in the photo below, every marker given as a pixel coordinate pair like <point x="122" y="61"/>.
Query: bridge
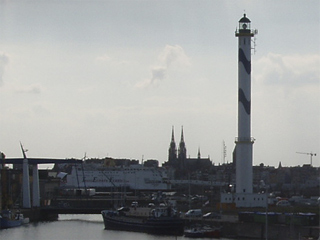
<point x="35" y="161"/>
<point x="35" y="173"/>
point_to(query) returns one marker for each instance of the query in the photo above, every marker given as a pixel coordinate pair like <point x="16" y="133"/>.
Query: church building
<point x="183" y="165"/>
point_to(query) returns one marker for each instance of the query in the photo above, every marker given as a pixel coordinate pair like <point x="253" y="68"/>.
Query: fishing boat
<point x="161" y="220"/>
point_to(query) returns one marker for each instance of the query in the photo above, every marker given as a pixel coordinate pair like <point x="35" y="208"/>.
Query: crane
<point x="311" y="155"/>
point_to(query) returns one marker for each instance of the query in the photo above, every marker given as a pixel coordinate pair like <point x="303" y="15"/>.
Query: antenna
<point x="254" y="40"/>
<point x="311" y="155"/>
<point x="224" y="152"/>
<point x="23" y="151"/>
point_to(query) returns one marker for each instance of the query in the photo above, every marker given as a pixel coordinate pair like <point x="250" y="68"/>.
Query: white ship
<point x="99" y="176"/>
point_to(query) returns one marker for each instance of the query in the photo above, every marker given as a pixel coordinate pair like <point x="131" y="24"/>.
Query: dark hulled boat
<point x="164" y="221"/>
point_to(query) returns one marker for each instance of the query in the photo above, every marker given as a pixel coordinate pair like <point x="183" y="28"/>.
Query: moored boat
<point x="202" y="232"/>
<point x="9" y="220"/>
<point x="193" y="233"/>
<point x="212" y="232"/>
<point x="164" y="221"/>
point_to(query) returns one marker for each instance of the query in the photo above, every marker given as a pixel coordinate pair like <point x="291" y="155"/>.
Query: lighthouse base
<point x="245" y="199"/>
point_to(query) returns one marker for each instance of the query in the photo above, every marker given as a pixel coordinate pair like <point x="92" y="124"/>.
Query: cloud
<point x="288" y="84"/>
<point x="158" y="73"/>
<point x="285" y="105"/>
<point x="32" y="89"/>
<point x="103" y="58"/>
<point x="4" y="59"/>
<point x="108" y="59"/>
<point x="288" y="70"/>
<point x="171" y="57"/>
<point x="40" y="110"/>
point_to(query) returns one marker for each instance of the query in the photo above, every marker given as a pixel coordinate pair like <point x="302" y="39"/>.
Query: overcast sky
<point x="111" y="78"/>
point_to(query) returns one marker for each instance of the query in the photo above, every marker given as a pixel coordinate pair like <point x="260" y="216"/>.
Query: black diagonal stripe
<point x="246" y="104"/>
<point x="244" y="60"/>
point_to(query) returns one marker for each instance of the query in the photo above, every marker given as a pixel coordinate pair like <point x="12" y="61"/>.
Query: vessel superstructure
<point x="100" y="176"/>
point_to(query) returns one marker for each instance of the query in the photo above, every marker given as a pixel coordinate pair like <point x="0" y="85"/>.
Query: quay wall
<point x="275" y="231"/>
<point x="36" y="214"/>
<point x="232" y="228"/>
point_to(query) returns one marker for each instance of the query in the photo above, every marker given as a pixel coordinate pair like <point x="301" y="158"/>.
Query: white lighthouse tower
<point x="244" y="196"/>
<point x="244" y="141"/>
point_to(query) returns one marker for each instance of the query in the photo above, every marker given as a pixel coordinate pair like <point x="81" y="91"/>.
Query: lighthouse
<point x="244" y="141"/>
<point x="243" y="195"/>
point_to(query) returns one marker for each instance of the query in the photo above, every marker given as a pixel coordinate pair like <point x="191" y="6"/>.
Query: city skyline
<point x="111" y="78"/>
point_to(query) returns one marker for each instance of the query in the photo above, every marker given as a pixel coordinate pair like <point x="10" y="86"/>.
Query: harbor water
<point x="76" y="227"/>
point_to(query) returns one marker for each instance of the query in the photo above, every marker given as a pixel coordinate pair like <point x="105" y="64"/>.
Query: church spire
<point x="182" y="151"/>
<point x="172" y="149"/>
<point x="172" y="134"/>
<point x="182" y="138"/>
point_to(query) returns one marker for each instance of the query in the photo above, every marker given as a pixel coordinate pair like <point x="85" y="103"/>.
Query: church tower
<point x="172" y="156"/>
<point x="182" y="152"/>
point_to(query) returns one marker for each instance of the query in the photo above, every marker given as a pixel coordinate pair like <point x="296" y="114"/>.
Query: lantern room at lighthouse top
<point x="244" y="27"/>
